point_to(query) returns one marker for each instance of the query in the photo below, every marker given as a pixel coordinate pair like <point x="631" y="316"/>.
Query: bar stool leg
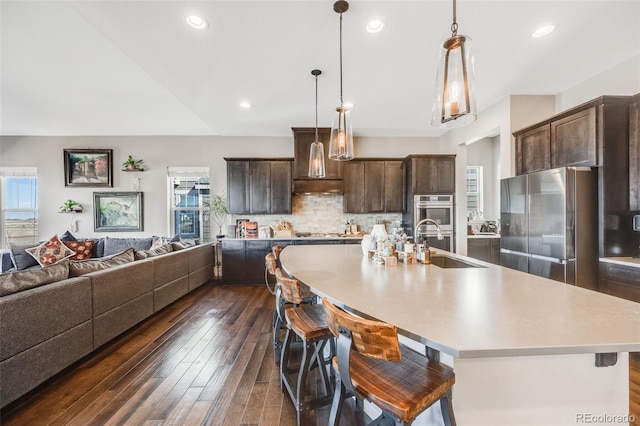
<point x="284" y="360"/>
<point x="446" y="406"/>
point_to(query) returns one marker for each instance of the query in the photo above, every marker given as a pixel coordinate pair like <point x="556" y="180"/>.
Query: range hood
<point x="317" y="186"/>
<point x="303" y="137"/>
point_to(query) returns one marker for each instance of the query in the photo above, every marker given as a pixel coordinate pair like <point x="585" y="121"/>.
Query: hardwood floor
<point x="205" y="359"/>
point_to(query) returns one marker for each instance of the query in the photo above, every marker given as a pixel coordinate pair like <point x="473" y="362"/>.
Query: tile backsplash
<point x="318" y="213"/>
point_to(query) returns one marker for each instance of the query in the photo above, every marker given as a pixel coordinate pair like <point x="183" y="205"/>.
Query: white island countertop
<point x="470" y="312"/>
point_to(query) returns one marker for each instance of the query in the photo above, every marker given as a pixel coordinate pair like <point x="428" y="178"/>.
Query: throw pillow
<point x="159" y="242"/>
<point x="118" y="245"/>
<point x="50" y="252"/>
<point x="82" y="249"/>
<point x="144" y="254"/>
<point x="81" y="267"/>
<point x="67" y="236"/>
<point x="24" y="280"/>
<point x="20" y="258"/>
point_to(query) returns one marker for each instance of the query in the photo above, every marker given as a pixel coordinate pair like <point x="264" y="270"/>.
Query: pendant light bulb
<point x="455" y="98"/>
<point x="341" y="143"/>
<point x="316" y="153"/>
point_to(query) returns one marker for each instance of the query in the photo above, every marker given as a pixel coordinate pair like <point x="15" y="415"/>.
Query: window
<point x="19" y="202"/>
<point x="474" y="192"/>
<point x="189" y="202"/>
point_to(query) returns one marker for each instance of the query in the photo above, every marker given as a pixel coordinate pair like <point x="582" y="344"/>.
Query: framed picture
<point x="117" y="211"/>
<point x="88" y="167"/>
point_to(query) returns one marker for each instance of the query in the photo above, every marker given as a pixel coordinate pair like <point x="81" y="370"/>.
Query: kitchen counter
<point x="522" y="347"/>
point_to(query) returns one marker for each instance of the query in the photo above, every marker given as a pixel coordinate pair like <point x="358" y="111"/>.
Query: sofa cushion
<point x="81" y="267"/>
<point x="144" y="254"/>
<point x="23" y="280"/>
<point x="20" y="258"/>
<point x="82" y="249"/>
<point x="117" y="245"/>
<point x="50" y="252"/>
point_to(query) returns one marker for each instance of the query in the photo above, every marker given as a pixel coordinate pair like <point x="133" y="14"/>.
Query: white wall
<point x="623" y="79"/>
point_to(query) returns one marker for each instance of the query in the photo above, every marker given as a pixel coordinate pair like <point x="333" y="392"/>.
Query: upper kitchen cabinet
<point x="634" y="153"/>
<point x="303" y="137"/>
<point x="533" y="151"/>
<point x="431" y="174"/>
<point x="587" y="135"/>
<point x="373" y="186"/>
<point x="258" y="186"/>
<point x="574" y="141"/>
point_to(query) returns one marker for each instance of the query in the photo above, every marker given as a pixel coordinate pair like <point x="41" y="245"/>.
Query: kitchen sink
<point x="450" y="262"/>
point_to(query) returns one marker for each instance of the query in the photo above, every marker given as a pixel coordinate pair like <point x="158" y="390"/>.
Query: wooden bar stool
<point x="370" y="364"/>
<point x="307" y="323"/>
<point x="276" y="323"/>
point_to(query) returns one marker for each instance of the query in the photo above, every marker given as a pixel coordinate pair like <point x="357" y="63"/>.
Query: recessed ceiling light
<point x="197" y="22"/>
<point x="374" y="26"/>
<point x="543" y="31"/>
<point x="245" y="105"/>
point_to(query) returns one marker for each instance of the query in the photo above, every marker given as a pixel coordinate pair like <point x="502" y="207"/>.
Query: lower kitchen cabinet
<point x="485" y="249"/>
<point x="620" y="280"/>
<point x="233" y="262"/>
<point x="243" y="260"/>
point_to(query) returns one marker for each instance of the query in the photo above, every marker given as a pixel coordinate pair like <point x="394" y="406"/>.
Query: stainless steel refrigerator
<point x="549" y="225"/>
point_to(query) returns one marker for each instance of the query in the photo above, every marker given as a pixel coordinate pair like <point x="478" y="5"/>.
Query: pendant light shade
<point x="316" y="153"/>
<point x="341" y="144"/>
<point x="455" y="98"/>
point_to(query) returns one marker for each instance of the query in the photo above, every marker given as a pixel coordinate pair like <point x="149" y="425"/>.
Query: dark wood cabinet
<point x="620" y="280"/>
<point x="634" y="153"/>
<point x="259" y="186"/>
<point x="394" y="186"/>
<point x="574" y="141"/>
<point x="373" y="186"/>
<point x="238" y="186"/>
<point x="486" y="249"/>
<point x="582" y="136"/>
<point x="233" y="262"/>
<point x="533" y="150"/>
<point x="303" y="137"/>
<point x="280" y="186"/>
<point x="243" y="260"/>
<point x="431" y="174"/>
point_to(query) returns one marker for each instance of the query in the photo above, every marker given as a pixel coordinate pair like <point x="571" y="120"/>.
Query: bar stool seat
<point x="306" y="323"/>
<point x="370" y="364"/>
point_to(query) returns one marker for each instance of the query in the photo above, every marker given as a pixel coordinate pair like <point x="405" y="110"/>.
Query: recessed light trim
<point x="543" y="31"/>
<point x="374" y="26"/>
<point x="197" y="22"/>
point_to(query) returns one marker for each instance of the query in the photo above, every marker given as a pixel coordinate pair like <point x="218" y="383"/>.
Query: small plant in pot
<point x="219" y="211"/>
<point x="70" y="206"/>
<point x="132" y="164"/>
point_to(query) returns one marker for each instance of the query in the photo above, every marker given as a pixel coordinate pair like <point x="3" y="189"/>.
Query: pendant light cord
<point x="316" y="108"/>
<point x="454" y="25"/>
<point x="341" y="101"/>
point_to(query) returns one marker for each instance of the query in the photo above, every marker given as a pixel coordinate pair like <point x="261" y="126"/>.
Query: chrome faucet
<point x="422" y="222"/>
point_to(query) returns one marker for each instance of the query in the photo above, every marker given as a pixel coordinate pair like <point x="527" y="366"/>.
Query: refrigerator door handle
<point x="517" y="253"/>
<point x="552" y="259"/>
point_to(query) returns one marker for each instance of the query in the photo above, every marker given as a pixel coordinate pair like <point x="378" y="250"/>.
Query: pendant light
<point x="455" y="98"/>
<point x="316" y="154"/>
<point x="341" y="144"/>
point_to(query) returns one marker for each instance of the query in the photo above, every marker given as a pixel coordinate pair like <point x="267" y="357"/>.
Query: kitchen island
<point x="523" y="347"/>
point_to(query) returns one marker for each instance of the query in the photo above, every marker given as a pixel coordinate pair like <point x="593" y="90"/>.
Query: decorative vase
<point x="366" y="244"/>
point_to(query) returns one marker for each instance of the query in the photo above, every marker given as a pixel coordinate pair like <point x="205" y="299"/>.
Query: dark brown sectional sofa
<point x="47" y="328"/>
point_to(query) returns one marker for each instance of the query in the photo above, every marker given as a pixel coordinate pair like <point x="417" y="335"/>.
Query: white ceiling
<point x="135" y="68"/>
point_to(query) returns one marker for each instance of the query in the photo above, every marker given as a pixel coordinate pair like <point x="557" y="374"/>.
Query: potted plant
<point x="71" y="206"/>
<point x="131" y="164"/>
<point x="219" y="211"/>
